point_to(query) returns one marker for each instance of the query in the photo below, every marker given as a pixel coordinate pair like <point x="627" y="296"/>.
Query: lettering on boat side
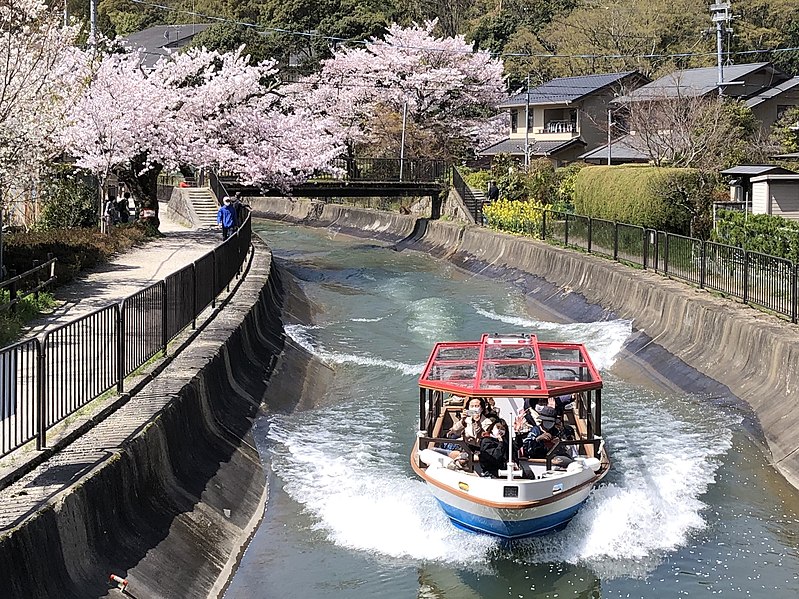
<point x="557" y="488"/>
<point x="510" y="491"/>
<point x="463" y="486"/>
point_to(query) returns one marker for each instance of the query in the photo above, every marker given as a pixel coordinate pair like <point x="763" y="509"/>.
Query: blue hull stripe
<point x="507" y="528"/>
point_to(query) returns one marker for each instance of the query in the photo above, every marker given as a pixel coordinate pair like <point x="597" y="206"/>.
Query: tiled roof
<point x="621" y="149"/>
<point x="753" y="170"/>
<point x="773" y="92"/>
<point x="161" y="40"/>
<point x="698" y="82"/>
<point x="567" y="89"/>
<point x="515" y="147"/>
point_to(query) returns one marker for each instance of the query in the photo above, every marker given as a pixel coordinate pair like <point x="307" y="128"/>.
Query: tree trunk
<point x="143" y="188"/>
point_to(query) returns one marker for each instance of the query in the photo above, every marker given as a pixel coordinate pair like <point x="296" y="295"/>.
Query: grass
<point x="28" y="309"/>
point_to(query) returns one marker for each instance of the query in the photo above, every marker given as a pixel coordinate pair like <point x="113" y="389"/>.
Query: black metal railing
<point x="42" y="382"/>
<point x="757" y="279"/>
<point x="473" y="203"/>
<point x="408" y="170"/>
<point x="30" y="282"/>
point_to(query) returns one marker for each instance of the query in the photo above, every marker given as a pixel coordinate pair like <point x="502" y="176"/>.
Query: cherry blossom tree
<point x="40" y="70"/>
<point x="449" y="89"/>
<point x="198" y="109"/>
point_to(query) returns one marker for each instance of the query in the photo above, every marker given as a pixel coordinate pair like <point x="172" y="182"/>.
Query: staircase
<point x="204" y="205"/>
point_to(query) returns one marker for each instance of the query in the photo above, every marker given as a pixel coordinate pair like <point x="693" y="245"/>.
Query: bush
<point x="75" y="249"/>
<point x="28" y="308"/>
<point x="69" y="201"/>
<point x="514" y="216"/>
<point x="762" y="233"/>
<point x="677" y="200"/>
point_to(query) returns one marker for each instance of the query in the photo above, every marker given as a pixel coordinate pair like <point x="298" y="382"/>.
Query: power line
<point x="542" y="55"/>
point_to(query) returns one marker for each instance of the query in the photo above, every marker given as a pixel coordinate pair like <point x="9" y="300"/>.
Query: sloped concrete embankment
<point x="171" y="508"/>
<point x="751" y="353"/>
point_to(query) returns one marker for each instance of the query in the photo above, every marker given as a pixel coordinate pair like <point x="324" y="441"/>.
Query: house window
<point x="514" y="121"/>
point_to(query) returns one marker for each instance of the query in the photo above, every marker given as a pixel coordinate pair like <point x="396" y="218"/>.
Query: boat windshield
<point x="517" y="365"/>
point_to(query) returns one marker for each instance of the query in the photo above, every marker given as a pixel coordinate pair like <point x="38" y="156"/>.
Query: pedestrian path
<point x="128" y="273"/>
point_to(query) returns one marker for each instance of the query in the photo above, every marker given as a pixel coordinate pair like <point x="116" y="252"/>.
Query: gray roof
<point x="698" y="82"/>
<point x="753" y="170"/>
<point x="515" y="147"/>
<point x="161" y="40"/>
<point x="773" y="92"/>
<point x="568" y="89"/>
<point x="620" y="150"/>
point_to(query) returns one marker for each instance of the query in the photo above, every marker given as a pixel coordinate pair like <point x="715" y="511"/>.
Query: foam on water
<point x="665" y="454"/>
<point x="360" y="495"/>
<point x="367" y="319"/>
<point x="302" y="336"/>
<point x="432" y="319"/>
<point x="603" y="339"/>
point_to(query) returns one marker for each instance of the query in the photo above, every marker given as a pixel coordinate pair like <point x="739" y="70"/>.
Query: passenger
<point x="564" y="432"/>
<point x="494" y="449"/>
<point x="540" y="440"/>
<point x="470" y="428"/>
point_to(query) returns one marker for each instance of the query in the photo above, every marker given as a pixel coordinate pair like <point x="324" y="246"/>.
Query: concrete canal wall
<point x="173" y="506"/>
<point x="753" y="354"/>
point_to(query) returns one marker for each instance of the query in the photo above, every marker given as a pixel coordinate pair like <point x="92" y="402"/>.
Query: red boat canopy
<point x="510" y="365"/>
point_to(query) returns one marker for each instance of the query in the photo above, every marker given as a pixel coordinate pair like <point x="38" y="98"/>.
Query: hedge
<point x="677" y="200"/>
<point x="75" y="249"/>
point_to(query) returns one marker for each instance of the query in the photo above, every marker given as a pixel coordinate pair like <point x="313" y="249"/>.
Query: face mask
<point x="476" y="411"/>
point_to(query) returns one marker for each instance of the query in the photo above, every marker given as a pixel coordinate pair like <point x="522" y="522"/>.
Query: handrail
<point x="46" y="381"/>
<point x="763" y="280"/>
<point x="12" y="283"/>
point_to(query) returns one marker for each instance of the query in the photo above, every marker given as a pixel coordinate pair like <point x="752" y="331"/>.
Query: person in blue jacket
<point x="226" y="216"/>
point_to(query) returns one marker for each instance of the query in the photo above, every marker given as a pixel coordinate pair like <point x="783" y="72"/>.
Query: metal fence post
<point x="193" y="296"/>
<point x="666" y="254"/>
<point x="544" y="224"/>
<point x="37" y="279"/>
<point x="702" y="267"/>
<point x="41" y="395"/>
<point x="566" y="231"/>
<point x="213" y="277"/>
<point x="793" y="293"/>
<point x="590" y="232"/>
<point x="746" y="277"/>
<point x="120" y="312"/>
<point x="645" y="248"/>
<point x="616" y="241"/>
<point x="164" y="332"/>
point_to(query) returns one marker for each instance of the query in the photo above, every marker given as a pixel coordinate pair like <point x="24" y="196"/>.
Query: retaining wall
<point x="752" y="353"/>
<point x="173" y="505"/>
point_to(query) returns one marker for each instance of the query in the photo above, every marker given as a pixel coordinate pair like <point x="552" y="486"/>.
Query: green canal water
<point x="691" y="507"/>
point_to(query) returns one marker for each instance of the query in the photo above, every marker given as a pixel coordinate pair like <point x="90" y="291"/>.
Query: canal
<point x="690" y="508"/>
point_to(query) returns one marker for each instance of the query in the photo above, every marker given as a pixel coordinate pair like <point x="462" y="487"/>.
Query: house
<point x="741" y="177"/>
<point x="776" y="194"/>
<point x="565" y="116"/>
<point x="161" y="40"/>
<point x="767" y="90"/>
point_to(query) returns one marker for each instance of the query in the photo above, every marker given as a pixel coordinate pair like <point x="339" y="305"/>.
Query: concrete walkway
<point x="128" y="273"/>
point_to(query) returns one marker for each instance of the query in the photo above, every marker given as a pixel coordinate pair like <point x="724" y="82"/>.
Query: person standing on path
<point x="493" y="191"/>
<point x="226" y="216"/>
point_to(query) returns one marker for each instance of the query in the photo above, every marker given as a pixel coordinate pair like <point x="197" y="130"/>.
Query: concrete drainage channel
<point x="705" y="337"/>
<point x="172" y="486"/>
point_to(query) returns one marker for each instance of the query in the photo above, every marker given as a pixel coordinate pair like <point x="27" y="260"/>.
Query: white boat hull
<point x="510" y="509"/>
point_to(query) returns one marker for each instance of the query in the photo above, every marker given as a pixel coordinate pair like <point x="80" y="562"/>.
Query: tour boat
<point x="515" y="373"/>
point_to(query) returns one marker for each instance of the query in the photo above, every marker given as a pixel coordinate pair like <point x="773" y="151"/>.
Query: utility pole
<point x="721" y="15"/>
<point x="527" y="126"/>
<point x="610" y="134"/>
<point x="402" y="143"/>
<point x="92" y="22"/>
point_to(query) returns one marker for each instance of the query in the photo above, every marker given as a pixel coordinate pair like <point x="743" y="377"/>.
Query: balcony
<point x="560" y="129"/>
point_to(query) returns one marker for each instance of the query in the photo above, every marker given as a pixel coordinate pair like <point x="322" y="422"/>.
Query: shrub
<point x="75" y="249"/>
<point x="514" y="216"/>
<point x="69" y="201"/>
<point x="28" y="308"/>
<point x="677" y="200"/>
<point x="762" y="233"/>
